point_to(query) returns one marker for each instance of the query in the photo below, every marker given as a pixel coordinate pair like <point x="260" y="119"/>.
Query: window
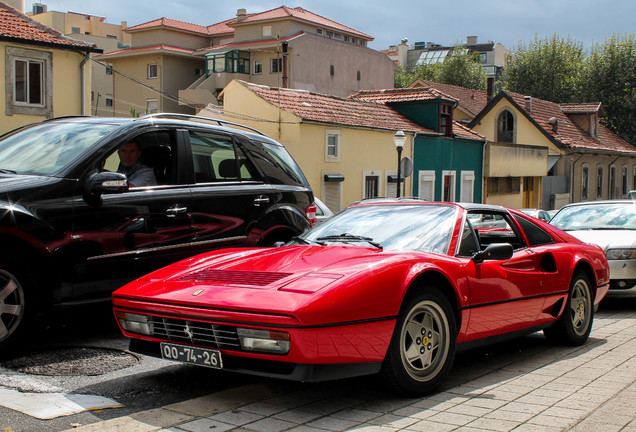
<point x="612" y="182"/>
<point x="234" y="61"/>
<point x="152" y="106"/>
<point x="75" y="30"/>
<point x="216" y="158"/>
<point x="277" y="65"/>
<point x="503" y="185"/>
<point x="319" y="31"/>
<point x="109" y="69"/>
<point x="258" y="67"/>
<point x="332" y="146"/>
<point x="358" y="75"/>
<point x="467" y="192"/>
<point x="332" y="70"/>
<point x="426" y="185"/>
<point x="505" y="127"/>
<point x="446" y="119"/>
<point x="332" y="191"/>
<point x="267" y="30"/>
<point x="371" y="184"/>
<point x="153" y="71"/>
<point x="599" y="182"/>
<point x="109" y="102"/>
<point x="483" y="58"/>
<point x="448" y="186"/>
<point x="585" y="181"/>
<point x="625" y="187"/>
<point x="536" y="236"/>
<point x="28" y="77"/>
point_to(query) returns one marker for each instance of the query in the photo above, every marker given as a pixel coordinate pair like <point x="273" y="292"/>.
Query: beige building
<point x="93" y="30"/>
<point x="46" y="74"/>
<point x="345" y="147"/>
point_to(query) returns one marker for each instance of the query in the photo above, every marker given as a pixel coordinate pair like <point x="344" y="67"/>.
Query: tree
<point x="548" y="69"/>
<point x="609" y="76"/>
<point x="459" y="68"/>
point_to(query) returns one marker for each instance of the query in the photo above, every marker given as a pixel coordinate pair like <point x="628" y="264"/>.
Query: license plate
<point x="193" y="355"/>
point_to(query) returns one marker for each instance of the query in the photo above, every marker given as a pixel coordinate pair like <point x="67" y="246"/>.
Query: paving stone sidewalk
<point x="552" y="389"/>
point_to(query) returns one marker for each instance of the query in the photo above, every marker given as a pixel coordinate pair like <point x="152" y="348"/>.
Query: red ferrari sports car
<point x="393" y="287"/>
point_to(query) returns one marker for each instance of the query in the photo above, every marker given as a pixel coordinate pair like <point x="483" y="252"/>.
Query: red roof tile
<point x="568" y="134"/>
<point x="16" y="25"/>
<point x="171" y="23"/>
<point x="472" y="101"/>
<point x="334" y="110"/>
<point x="397" y="95"/>
<point x="221" y="28"/>
<point x="300" y="14"/>
<point x="581" y="108"/>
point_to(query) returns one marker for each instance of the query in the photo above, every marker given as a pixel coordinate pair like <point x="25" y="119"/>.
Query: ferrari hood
<point x="607" y="238"/>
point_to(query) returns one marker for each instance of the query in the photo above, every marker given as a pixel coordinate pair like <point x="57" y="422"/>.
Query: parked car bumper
<point x="622" y="273"/>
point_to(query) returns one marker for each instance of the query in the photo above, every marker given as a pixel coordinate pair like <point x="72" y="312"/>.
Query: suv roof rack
<point x="190" y="117"/>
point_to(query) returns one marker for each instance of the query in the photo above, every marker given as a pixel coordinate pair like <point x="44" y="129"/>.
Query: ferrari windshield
<point x="47" y="148"/>
<point x="606" y="216"/>
<point x="396" y="227"/>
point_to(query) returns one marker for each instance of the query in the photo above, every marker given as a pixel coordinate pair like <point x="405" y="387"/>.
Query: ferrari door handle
<point x="176" y="210"/>
<point x="261" y="199"/>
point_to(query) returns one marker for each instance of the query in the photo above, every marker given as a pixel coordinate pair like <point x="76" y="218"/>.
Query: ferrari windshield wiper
<point x="346" y="237"/>
<point x="305" y="241"/>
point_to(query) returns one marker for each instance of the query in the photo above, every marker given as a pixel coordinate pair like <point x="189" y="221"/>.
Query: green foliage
<point x="548" y="69"/>
<point x="458" y="68"/>
<point x="609" y="76"/>
<point x="134" y="112"/>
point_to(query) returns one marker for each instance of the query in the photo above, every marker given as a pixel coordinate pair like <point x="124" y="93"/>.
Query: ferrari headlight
<point x="265" y="341"/>
<point x="135" y="323"/>
<point x="620" y="254"/>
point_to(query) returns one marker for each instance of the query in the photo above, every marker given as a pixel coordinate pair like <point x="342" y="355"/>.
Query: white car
<point x="612" y="226"/>
<point x="322" y="211"/>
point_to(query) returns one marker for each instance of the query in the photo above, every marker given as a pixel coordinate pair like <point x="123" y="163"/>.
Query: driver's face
<point x="129" y="154"/>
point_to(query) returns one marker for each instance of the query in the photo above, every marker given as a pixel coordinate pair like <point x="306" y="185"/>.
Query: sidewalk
<point x="551" y="389"/>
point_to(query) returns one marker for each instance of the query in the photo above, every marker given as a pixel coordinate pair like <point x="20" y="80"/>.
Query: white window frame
<point x="149" y="71"/>
<point x="453" y="176"/>
<point x="374" y="173"/>
<point x="426" y="181"/>
<point x="256" y="64"/>
<point x="44" y="58"/>
<point x="467" y="176"/>
<point x="267" y="30"/>
<point x="337" y="147"/>
<point x="390" y="188"/>
<point x="337" y="188"/>
<point x="151" y="102"/>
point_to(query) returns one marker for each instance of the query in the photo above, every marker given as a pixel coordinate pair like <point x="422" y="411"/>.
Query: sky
<point x="508" y="22"/>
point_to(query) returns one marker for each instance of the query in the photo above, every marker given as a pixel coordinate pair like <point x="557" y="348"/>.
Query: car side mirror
<point x="105" y="182"/>
<point x="494" y="251"/>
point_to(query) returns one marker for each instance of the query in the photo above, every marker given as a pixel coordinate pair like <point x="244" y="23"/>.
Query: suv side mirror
<point x="494" y="251"/>
<point x="107" y="182"/>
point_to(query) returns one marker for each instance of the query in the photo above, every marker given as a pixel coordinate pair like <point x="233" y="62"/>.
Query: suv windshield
<point x="47" y="148"/>
<point x="596" y="217"/>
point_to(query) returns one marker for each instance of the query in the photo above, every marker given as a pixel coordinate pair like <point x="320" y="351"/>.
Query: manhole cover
<point x="72" y="361"/>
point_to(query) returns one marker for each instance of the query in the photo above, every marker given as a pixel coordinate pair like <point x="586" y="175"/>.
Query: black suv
<point x="72" y="229"/>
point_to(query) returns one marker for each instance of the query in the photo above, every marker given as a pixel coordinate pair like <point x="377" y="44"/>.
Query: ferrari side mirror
<point x="494" y="251"/>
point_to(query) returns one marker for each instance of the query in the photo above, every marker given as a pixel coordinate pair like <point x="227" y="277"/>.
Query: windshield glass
<point x="396" y="227"/>
<point x="47" y="148"/>
<point x="596" y="217"/>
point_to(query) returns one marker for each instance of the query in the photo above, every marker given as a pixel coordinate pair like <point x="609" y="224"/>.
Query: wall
<point x="169" y="37"/>
<point x="128" y="94"/>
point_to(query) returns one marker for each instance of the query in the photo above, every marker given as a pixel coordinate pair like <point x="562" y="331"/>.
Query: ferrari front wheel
<point x="423" y="345"/>
<point x="575" y="323"/>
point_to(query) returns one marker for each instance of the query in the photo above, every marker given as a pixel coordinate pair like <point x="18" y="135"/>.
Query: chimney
<point x="528" y="100"/>
<point x="241" y="14"/>
<point x="490" y="88"/>
<point x="471" y="40"/>
<point x="554" y="122"/>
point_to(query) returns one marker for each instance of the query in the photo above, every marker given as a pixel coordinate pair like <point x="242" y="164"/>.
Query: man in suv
<point x="73" y="229"/>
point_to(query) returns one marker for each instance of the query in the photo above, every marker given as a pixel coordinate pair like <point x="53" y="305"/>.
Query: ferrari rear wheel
<point x="575" y="323"/>
<point x="423" y="345"/>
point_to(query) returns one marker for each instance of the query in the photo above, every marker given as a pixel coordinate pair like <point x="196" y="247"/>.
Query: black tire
<point x="17" y="312"/>
<point x="575" y="324"/>
<point x="423" y="345"/>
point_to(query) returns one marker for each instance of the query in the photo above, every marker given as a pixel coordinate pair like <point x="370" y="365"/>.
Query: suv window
<point x="216" y="158"/>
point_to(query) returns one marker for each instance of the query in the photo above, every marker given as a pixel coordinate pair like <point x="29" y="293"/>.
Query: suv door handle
<point x="261" y="199"/>
<point x="176" y="210"/>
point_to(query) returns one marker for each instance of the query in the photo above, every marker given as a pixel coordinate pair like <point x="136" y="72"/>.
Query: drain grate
<point x="72" y="361"/>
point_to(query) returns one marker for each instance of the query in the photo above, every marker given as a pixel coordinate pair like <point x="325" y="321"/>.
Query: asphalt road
<point x="143" y="383"/>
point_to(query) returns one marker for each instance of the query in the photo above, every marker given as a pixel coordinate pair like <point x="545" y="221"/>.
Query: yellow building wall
<point x="361" y="149"/>
<point x="129" y="94"/>
<point x="66" y="86"/>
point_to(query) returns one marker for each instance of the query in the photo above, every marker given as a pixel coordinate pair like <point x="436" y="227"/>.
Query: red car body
<point x="338" y="305"/>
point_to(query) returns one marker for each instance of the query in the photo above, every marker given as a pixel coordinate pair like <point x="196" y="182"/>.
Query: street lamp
<point x="399" y="140"/>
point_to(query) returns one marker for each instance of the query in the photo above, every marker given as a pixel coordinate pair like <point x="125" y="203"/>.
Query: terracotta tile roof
<point x="300" y="14"/>
<point x="254" y="43"/>
<point x="334" y="110"/>
<point x="221" y="28"/>
<point x="16" y="25"/>
<point x="471" y="101"/>
<point x="568" y="134"/>
<point x="171" y="23"/>
<point x="398" y="95"/>
<point x="581" y="108"/>
<point x="153" y="48"/>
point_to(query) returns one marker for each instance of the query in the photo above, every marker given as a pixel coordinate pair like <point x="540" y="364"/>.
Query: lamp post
<point x="399" y="140"/>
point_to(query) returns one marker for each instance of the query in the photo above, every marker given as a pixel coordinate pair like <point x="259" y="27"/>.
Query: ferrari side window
<point x="535" y="235"/>
<point x="469" y="244"/>
<point x="495" y="228"/>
